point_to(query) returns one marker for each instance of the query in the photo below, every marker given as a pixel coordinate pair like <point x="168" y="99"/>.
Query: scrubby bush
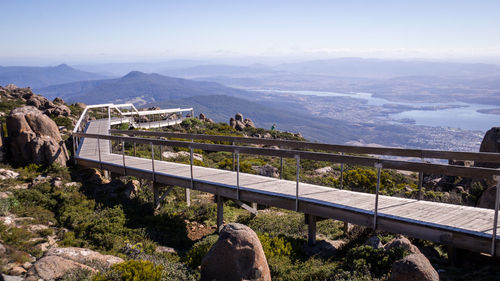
<point x="132" y="270"/>
<point x="63" y="121"/>
<point x="279" y="222"/>
<point x="194" y="256"/>
<point x="281" y="245"/>
<point x="6" y="204"/>
<point x="378" y="261"/>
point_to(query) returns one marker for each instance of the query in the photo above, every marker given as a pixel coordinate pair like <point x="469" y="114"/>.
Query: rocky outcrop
<point x="238" y="117"/>
<point x="239" y="123"/>
<point x="324" y="248"/>
<point x="54" y="267"/>
<point x="414" y="267"/>
<point x="204" y="118"/>
<point x="402" y="242"/>
<point x="374" y="242"/>
<point x="266" y="170"/>
<point x="8" y="174"/>
<point x="171" y="154"/>
<point x="34" y="137"/>
<point x="58" y="262"/>
<point x="84" y="256"/>
<point x="237" y="255"/>
<point x="488" y="197"/>
<point x="56" y="108"/>
<point x="80" y="105"/>
<point x="249" y="123"/>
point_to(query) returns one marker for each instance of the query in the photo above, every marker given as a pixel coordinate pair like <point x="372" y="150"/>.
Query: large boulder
<point x="266" y="170"/>
<point x="238" y="117"/>
<point x="490" y="143"/>
<point x="402" y="242"/>
<point x="414" y="267"/>
<point x="84" y="256"/>
<point x="237" y="255"/>
<point x="249" y="123"/>
<point x="54" y="267"/>
<point x="488" y="197"/>
<point x="34" y="137"/>
<point x="240" y="125"/>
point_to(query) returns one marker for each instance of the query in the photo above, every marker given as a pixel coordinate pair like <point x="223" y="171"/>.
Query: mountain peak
<point x="63" y="66"/>
<point x="134" y="74"/>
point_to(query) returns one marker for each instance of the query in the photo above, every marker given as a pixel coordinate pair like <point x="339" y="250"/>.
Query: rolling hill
<point x="38" y="77"/>
<point x="137" y="87"/>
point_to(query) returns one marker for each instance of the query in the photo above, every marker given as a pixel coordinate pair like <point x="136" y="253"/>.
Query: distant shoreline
<point x="495" y="111"/>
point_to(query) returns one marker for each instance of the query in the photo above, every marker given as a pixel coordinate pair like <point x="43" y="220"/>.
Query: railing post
<point x="342" y="173"/>
<point x="134" y="149"/>
<point x="191" y="164"/>
<point x="161" y="152"/>
<point x="495" y="219"/>
<point x="99" y="152"/>
<point x="234" y="158"/>
<point x="153" y="161"/>
<point x="297" y="159"/>
<point x="123" y="157"/>
<point x="281" y="167"/>
<point x="237" y="175"/>
<point x="375" y="213"/>
<point x="420" y="183"/>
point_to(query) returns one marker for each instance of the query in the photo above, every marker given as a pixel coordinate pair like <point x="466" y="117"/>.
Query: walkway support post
<point x="311" y="230"/>
<point x="220" y="213"/>
<point x="342" y="173"/>
<point x="375" y="213"/>
<point x="156" y="195"/>
<point x="495" y="219"/>
<point x="237" y="175"/>
<point x="297" y="159"/>
<point x="153" y="161"/>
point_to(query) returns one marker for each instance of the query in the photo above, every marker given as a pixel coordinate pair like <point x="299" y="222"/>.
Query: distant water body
<point x="464" y="115"/>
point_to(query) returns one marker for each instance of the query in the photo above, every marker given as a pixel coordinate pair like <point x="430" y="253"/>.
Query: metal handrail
<point x="378" y="163"/>
<point x="470" y="172"/>
<point x="387" y="151"/>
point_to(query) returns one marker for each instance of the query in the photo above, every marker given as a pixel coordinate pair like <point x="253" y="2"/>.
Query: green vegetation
<point x="132" y="270"/>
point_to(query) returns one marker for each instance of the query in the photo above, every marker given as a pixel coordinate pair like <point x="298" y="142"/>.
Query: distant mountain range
<point x="37" y="77"/>
<point x="137" y="87"/>
<point x="379" y="68"/>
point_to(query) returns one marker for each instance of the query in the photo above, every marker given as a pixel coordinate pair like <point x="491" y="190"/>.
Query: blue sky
<point x="108" y="30"/>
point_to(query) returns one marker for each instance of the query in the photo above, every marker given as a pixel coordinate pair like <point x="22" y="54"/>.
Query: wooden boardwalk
<point x="460" y="226"/>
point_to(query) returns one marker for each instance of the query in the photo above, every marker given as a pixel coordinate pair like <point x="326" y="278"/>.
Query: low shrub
<point x="276" y="246"/>
<point x="194" y="256"/>
<point x="132" y="270"/>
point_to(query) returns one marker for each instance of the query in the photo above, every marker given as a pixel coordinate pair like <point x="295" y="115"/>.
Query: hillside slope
<point x="138" y="87"/>
<point x="221" y="108"/>
<point x="37" y="77"/>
